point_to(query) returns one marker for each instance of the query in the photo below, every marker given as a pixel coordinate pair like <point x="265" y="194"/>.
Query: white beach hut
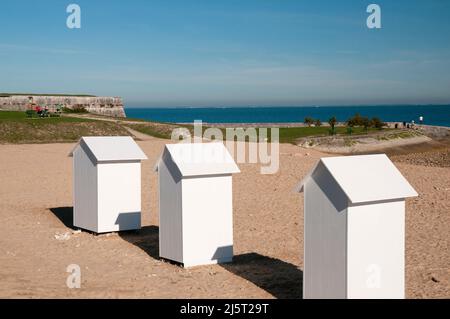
<point x="195" y="203"/>
<point x="354" y="228"/>
<point x="107" y="184"/>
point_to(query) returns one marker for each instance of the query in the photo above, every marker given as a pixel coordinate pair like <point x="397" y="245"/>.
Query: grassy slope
<point x="16" y="128"/>
<point x="291" y="134"/>
<point x="287" y="135"/>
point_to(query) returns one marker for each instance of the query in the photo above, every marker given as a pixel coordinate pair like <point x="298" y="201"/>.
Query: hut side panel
<point x="85" y="191"/>
<point x="170" y="220"/>
<point x="207" y="220"/>
<point x="376" y="246"/>
<point x="325" y="237"/>
<point x="119" y="193"/>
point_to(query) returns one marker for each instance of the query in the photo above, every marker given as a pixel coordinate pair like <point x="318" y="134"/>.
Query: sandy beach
<point x="39" y="241"/>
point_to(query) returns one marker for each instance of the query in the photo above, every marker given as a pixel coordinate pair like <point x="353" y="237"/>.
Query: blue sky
<point x="229" y="52"/>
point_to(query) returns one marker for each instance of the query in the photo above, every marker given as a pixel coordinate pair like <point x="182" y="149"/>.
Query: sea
<point x="432" y="114"/>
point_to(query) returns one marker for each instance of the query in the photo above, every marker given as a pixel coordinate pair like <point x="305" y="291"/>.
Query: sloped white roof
<point x="366" y="178"/>
<point x="111" y="148"/>
<point x="197" y="159"/>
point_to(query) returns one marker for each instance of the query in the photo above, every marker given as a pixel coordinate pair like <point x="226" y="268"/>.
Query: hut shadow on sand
<point x="279" y="278"/>
<point x="65" y="216"/>
<point x="146" y="238"/>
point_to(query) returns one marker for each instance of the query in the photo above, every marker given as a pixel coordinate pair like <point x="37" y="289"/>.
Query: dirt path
<point x="138" y="135"/>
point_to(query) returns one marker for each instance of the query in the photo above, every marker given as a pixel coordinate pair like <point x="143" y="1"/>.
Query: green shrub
<point x="375" y="122"/>
<point x="365" y="123"/>
<point x="349" y="130"/>
<point x="356" y="120"/>
<point x="309" y="121"/>
<point x="31" y="113"/>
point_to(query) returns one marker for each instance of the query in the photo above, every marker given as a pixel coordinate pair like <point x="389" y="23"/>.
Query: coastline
<point x="296" y="124"/>
<point x="293" y="116"/>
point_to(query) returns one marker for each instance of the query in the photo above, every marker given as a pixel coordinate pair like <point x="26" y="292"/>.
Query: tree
<point x="377" y="123"/>
<point x="365" y="123"/>
<point x="356" y="120"/>
<point x="309" y="121"/>
<point x="318" y="123"/>
<point x="332" y="121"/>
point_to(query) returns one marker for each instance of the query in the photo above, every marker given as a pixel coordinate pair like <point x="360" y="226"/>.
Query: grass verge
<point x="16" y="128"/>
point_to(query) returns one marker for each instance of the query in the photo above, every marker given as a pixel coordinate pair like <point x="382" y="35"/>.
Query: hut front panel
<point x="376" y="250"/>
<point x="119" y="194"/>
<point x="170" y="219"/>
<point x="325" y="219"/>
<point x="85" y="206"/>
<point x="207" y="220"/>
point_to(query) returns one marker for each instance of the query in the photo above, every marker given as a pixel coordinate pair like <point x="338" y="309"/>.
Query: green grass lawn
<point x="16" y="128"/>
<point x="290" y="134"/>
<point x="287" y="134"/>
<point x="12" y="115"/>
<point x="18" y="116"/>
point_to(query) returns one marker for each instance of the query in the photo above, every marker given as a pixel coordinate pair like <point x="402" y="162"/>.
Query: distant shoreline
<point x="293" y="116"/>
<point x="298" y="124"/>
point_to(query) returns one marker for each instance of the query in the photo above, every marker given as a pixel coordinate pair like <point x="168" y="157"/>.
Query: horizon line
<point x="285" y="106"/>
